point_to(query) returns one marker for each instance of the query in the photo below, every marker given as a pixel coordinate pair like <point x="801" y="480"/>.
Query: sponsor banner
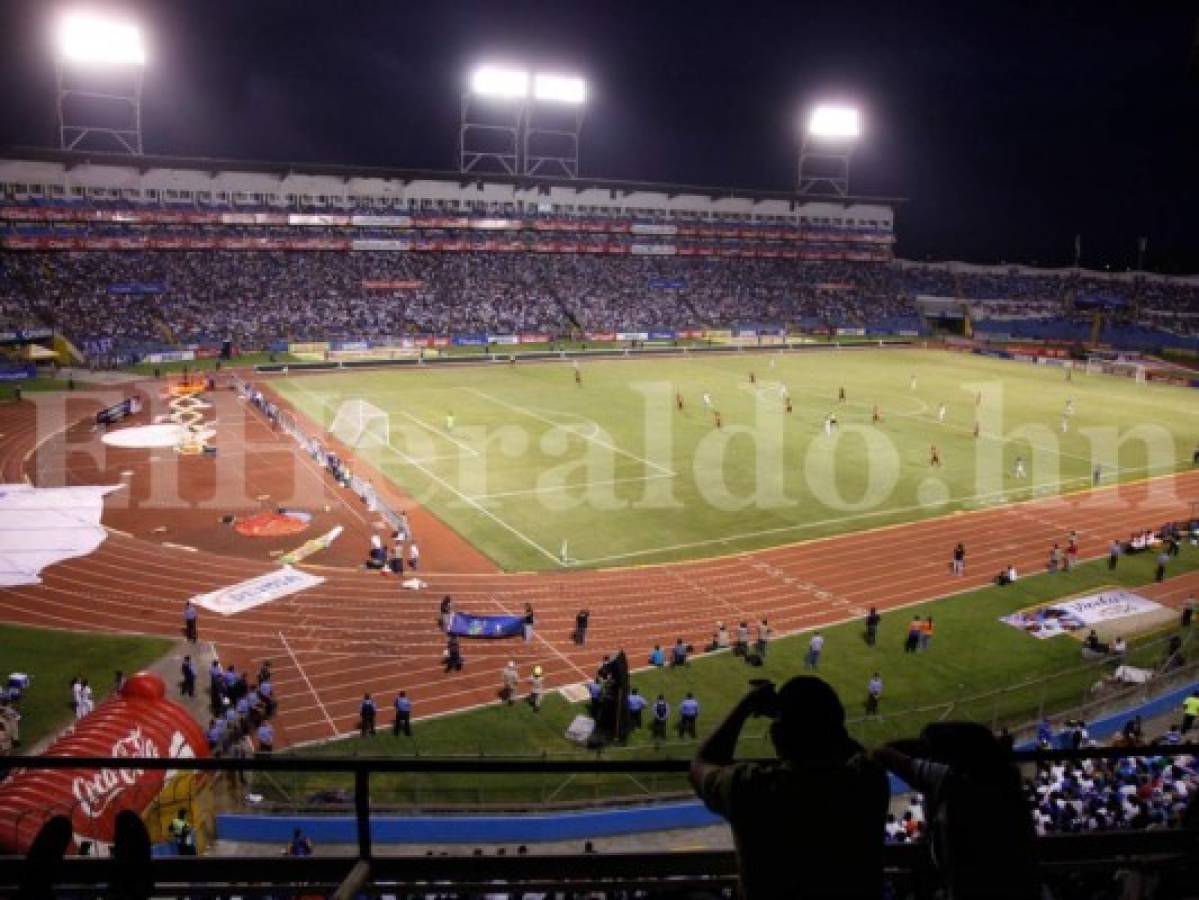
<point x="311" y="243"/>
<point x="661" y="334"/>
<point x="443" y="222"/>
<point x="137" y="287"/>
<point x="440" y="341"/>
<point x="1080" y="613"/>
<point x="384" y="245"/>
<point x="600" y="335"/>
<point x="308" y="346"/>
<point x="253" y="218"/>
<point x="667" y="284"/>
<point x="19" y="337"/>
<point x="652" y="249"/>
<point x="852" y="332"/>
<point x="691" y="333"/>
<point x="17" y="373"/>
<point x="505" y="339"/>
<point x="746" y="332"/>
<point x="381" y="221"/>
<point x="534" y="338"/>
<point x="164" y="356"/>
<point x="632" y="335"/>
<point x="649" y="228"/>
<point x="256" y="591"/>
<point x="469" y="340"/>
<point x="350" y="345"/>
<point x="391" y="285"/>
<point x="465" y="625"/>
<point x="316" y="219"/>
<point x="717" y="333"/>
<point x="1174" y="380"/>
<point x="495" y="224"/>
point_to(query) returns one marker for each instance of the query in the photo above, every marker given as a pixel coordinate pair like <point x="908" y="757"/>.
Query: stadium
<point x="456" y="529"/>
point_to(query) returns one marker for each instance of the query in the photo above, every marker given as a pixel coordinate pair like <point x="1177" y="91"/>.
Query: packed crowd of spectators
<point x="257" y="297"/>
<point x="1111" y="794"/>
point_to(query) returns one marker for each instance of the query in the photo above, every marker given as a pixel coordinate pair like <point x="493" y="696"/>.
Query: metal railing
<point x="713" y="872"/>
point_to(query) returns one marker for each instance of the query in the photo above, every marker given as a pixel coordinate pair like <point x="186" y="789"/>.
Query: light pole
<point x="99" y="67"/>
<point x="515" y="123"/>
<point x="829" y="136"/>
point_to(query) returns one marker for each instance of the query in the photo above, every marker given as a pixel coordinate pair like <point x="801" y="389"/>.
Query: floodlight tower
<point x="493" y="115"/>
<point x="553" y="124"/>
<point x="99" y="67"/>
<point x="516" y="124"/>
<point x="828" y="141"/>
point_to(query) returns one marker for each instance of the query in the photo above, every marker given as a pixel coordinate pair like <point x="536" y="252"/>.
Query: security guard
<point x="1190" y="711"/>
<point x="661" y="717"/>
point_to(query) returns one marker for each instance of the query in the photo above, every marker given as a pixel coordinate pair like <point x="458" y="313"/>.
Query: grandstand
<point x="346" y="255"/>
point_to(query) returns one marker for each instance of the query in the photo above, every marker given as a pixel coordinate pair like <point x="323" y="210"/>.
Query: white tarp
<point x="256" y="591"/>
<point x="1132" y="675"/>
<point x="43" y="526"/>
<point x="1078" y="613"/>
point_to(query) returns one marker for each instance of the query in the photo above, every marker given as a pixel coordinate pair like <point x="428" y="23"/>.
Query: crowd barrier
<point x="485" y="357"/>
<point x="315" y="448"/>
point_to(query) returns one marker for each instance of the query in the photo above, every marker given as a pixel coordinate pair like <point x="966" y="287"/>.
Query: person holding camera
<point x="836" y="794"/>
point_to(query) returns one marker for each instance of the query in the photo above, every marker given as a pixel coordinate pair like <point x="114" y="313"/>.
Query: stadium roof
<point x="73" y="158"/>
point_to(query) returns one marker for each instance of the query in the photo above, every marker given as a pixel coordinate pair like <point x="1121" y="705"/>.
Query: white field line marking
<point x="599" y="443"/>
<point x="304" y="675"/>
<point x="38" y="446"/>
<point x="432" y="476"/>
<point x="694" y="585"/>
<point x="921" y="414"/>
<point x="571" y="487"/>
<point x="445" y="434"/>
<point x="537" y="634"/>
<point x="436" y="457"/>
<point x="470" y="501"/>
<point x="997" y="498"/>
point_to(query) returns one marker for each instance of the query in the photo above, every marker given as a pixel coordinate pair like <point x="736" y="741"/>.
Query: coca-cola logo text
<point x="97" y="791"/>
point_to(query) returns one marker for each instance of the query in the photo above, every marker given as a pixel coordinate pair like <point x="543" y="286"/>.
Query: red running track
<point x="359" y="632"/>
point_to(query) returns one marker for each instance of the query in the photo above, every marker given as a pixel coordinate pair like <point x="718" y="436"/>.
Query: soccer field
<point x="527" y="464"/>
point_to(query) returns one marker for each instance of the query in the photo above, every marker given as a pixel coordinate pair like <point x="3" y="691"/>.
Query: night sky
<point x="1010" y="126"/>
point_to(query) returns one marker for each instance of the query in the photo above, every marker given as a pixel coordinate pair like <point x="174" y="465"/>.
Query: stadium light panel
<point x="828" y="121"/>
<point x="560" y="89"/>
<point x="491" y="81"/>
<point x="88" y="39"/>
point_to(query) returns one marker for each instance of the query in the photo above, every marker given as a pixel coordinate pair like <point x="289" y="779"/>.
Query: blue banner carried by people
<point x="465" y="625"/>
<point x="137" y="287"/>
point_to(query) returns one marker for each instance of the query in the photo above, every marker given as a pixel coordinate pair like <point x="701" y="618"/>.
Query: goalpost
<point x="1098" y="365"/>
<point x="361" y="425"/>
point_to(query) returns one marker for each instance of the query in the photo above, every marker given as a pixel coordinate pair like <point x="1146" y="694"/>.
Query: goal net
<point x="360" y="424"/>
<point x="1133" y="369"/>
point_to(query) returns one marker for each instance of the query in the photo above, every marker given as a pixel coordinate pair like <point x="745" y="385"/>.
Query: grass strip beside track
<point x="977" y="668"/>
<point x="53" y="658"/>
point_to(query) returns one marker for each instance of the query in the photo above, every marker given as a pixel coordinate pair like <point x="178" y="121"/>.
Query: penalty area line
<point x="994" y="499"/>
<point x="437" y="479"/>
<point x="590" y="439"/>
<point x="549" y="489"/>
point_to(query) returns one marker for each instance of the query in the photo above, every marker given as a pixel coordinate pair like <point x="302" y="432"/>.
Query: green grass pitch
<point x="615" y="471"/>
